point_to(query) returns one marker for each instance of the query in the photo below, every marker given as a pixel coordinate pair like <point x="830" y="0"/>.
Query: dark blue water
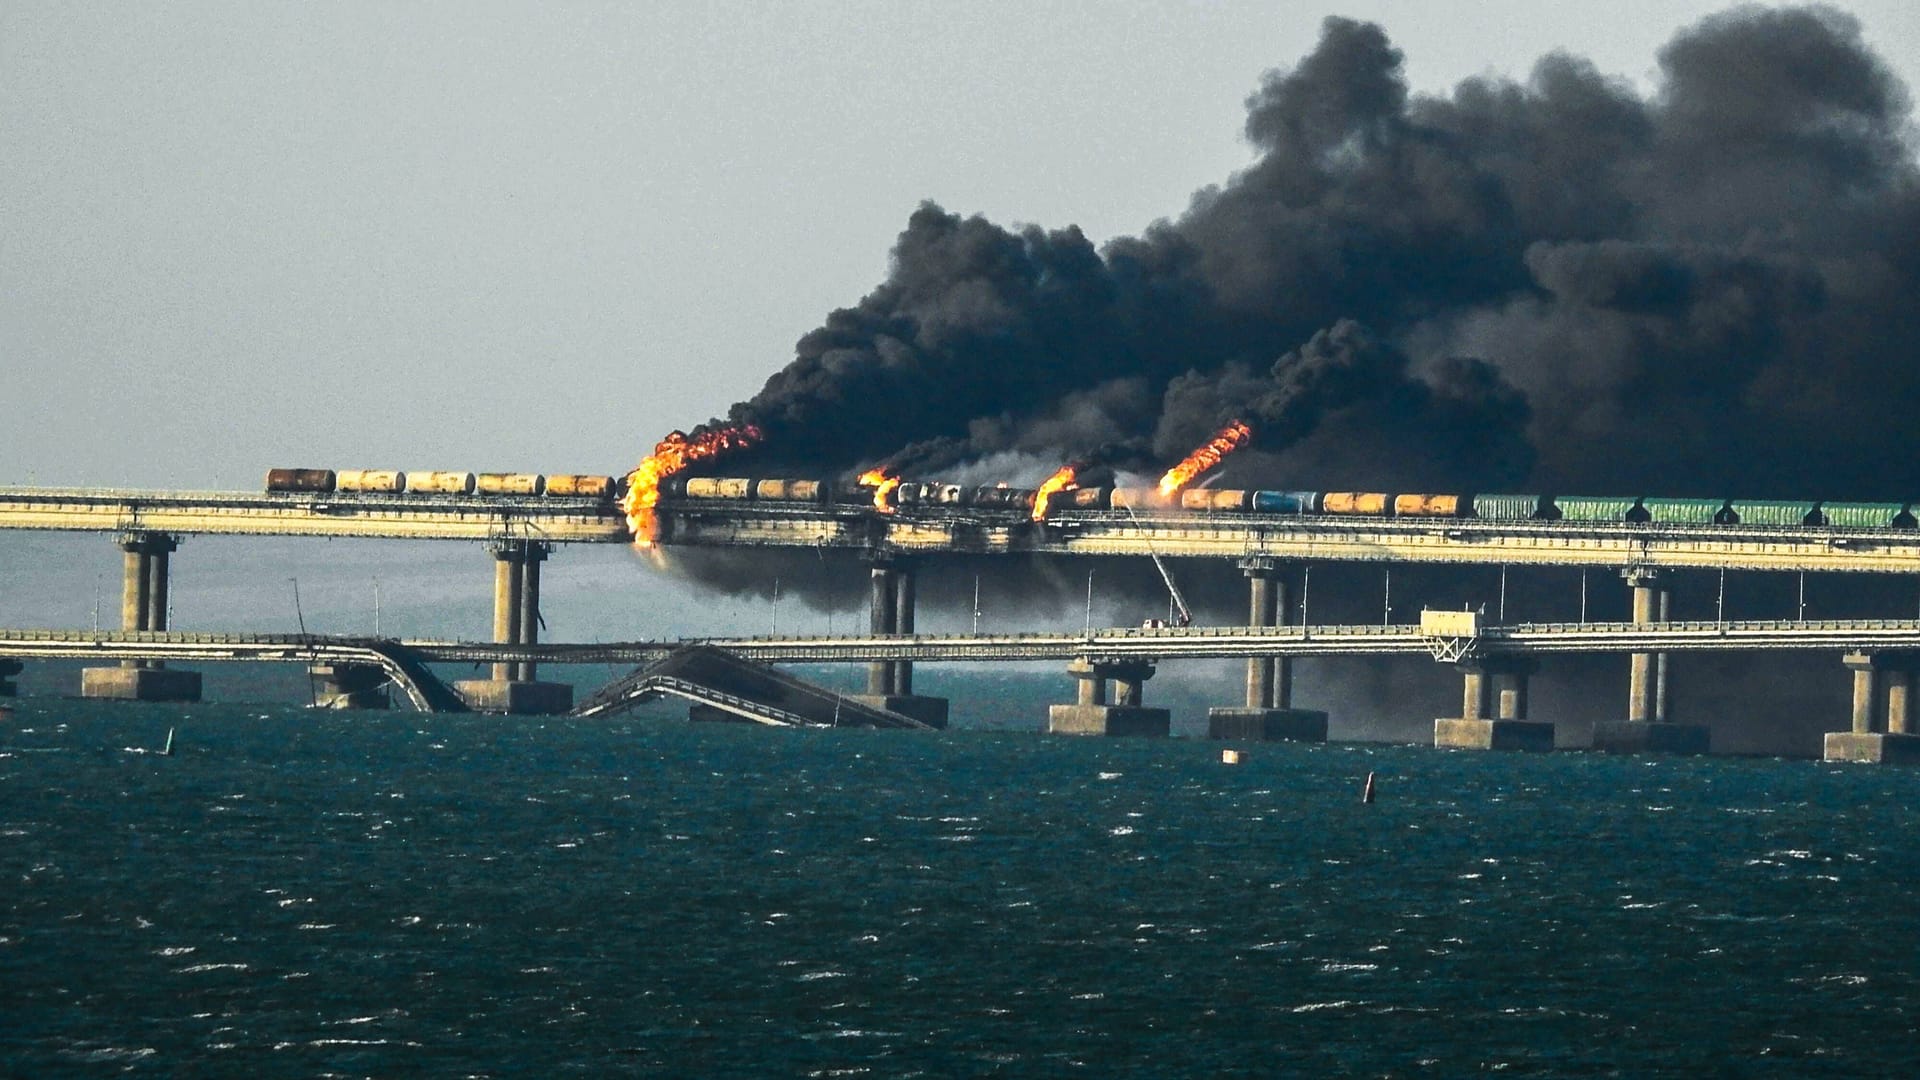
<point x="394" y="894"/>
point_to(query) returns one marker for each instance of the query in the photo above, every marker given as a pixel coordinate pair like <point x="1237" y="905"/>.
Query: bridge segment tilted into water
<point x="712" y="672"/>
<point x="522" y="531"/>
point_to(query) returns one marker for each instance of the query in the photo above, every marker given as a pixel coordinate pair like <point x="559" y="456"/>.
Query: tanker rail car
<point x="910" y="496"/>
<point x="599" y="489"/>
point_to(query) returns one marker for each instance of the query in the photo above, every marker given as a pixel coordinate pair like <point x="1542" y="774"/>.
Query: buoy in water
<point x="1367" y="795"/>
<point x="167" y="750"/>
<point x="1231" y="757"/>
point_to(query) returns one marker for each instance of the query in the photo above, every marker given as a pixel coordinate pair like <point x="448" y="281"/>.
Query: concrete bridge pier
<point x="1882" y="730"/>
<point x="1269" y="715"/>
<point x="8" y="669"/>
<point x="890" y="610"/>
<point x="143" y="607"/>
<point x="1093" y="714"/>
<point x="516" y="621"/>
<point x="1493" y="709"/>
<point x="349" y="686"/>
<point x="1647" y="728"/>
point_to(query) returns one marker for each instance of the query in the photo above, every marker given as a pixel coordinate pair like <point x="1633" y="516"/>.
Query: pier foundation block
<point x="1873" y="748"/>
<point x="1496" y="686"/>
<point x="8" y="669"/>
<point x="139" y="684"/>
<point x="349" y="686"/>
<point x="1267" y="725"/>
<point x="1457" y="734"/>
<point x="1112" y="720"/>
<point x="515" y="698"/>
<point x="1648" y="737"/>
<point x="931" y="711"/>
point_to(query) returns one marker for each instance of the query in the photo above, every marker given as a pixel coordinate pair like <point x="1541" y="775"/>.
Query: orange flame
<point x="1232" y="437"/>
<point x="882" y="482"/>
<point x="672" y="455"/>
<point x="1063" y="480"/>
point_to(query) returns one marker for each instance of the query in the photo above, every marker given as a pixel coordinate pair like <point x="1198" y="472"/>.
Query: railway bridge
<point x="520" y="533"/>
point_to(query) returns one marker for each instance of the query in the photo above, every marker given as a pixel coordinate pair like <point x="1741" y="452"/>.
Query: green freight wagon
<point x="1862" y="515"/>
<point x="1591" y="507"/>
<point x="1753" y="512"/>
<point x="1680" y="511"/>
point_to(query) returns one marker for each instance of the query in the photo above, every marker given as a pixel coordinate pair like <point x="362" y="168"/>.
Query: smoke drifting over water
<point x="1558" y="284"/>
<point x="1552" y="284"/>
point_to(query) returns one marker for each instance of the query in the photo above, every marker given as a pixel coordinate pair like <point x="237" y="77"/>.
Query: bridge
<point x="548" y="519"/>
<point x="712" y="672"/>
<point x="1143" y="643"/>
<point x="935" y="530"/>
<point x="522" y="532"/>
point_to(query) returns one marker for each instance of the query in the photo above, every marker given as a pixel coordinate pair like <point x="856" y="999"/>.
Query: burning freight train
<point x="910" y="496"/>
<point x="999" y="500"/>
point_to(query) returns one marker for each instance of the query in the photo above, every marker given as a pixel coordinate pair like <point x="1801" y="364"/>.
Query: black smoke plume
<point x="1556" y="284"/>
<point x="1559" y="283"/>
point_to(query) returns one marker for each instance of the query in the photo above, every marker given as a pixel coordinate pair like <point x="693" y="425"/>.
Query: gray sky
<point x="517" y="236"/>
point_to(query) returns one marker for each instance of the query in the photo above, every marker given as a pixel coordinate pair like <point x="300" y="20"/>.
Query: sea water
<point x="385" y="894"/>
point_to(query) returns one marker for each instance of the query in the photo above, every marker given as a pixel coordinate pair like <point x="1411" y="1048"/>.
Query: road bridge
<point x="522" y="531"/>
<point x="1883" y="657"/>
<point x="1149" y="643"/>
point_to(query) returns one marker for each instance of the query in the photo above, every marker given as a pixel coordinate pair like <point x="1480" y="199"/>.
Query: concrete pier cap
<point x="1093" y="714"/>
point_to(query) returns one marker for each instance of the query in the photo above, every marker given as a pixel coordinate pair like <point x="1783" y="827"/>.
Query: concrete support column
<point x="143" y="606"/>
<point x="532" y="554"/>
<point x="1866" y="692"/>
<point x="1876" y="737"/>
<point x="157" y="589"/>
<point x="1644" y="682"/>
<point x="880" y="620"/>
<point x="1510" y="691"/>
<point x="1269" y="715"/>
<point x="143" y="598"/>
<point x="1660" y="664"/>
<point x="134" y="586"/>
<point x="1092" y="691"/>
<point x="890" y="610"/>
<point x="1648" y="728"/>
<point x="516" y="621"/>
<point x="508" y="558"/>
<point x="903" y="600"/>
<point x="1473" y="700"/>
<point x="1269" y="678"/>
<point x="1260" y="673"/>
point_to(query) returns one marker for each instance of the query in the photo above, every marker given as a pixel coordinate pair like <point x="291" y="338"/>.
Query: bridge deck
<point x="935" y="531"/>
<point x="239" y="513"/>
<point x="1192" y="642"/>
